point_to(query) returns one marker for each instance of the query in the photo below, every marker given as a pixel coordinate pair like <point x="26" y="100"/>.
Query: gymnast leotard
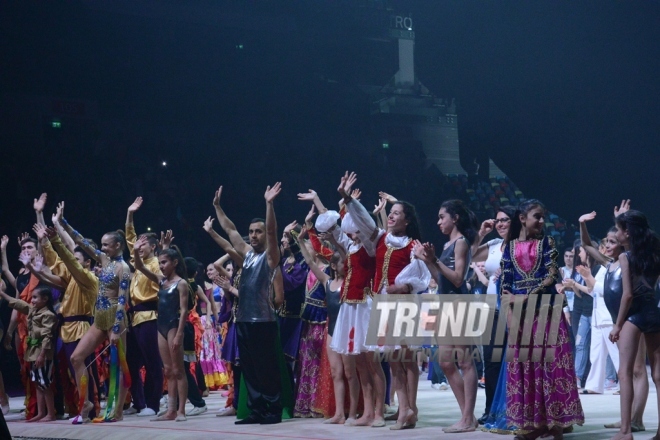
<point x="644" y="311"/>
<point x="612" y="291"/>
<point x="333" y="302"/>
<point x="168" y="308"/>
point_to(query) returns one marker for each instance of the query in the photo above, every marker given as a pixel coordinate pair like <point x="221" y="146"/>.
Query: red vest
<point x="390" y="261"/>
<point x="359" y="267"/>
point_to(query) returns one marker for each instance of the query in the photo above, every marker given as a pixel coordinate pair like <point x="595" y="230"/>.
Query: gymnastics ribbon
<point x="113" y="388"/>
<point x="124" y="365"/>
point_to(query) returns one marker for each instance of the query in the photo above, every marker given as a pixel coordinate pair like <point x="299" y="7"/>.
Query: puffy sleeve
<point x="415" y="274"/>
<point x="293" y="276"/>
<point x="368" y="231"/>
<point x="506" y="279"/>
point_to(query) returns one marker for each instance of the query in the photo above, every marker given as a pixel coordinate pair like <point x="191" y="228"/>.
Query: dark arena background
<point x="491" y="102"/>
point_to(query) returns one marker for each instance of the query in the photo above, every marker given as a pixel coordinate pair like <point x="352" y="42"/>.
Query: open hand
<point x="135" y="205"/>
<point x="583" y="270"/>
<point x="40" y="203"/>
<point x="389" y="198"/>
<point x="24" y="258"/>
<point x="166" y="239"/>
<point x="625" y="206"/>
<point x="380" y="206"/>
<point x="59" y="213"/>
<point x="271" y="193"/>
<point x="208" y="224"/>
<point x="310" y="215"/>
<point x="22" y="237"/>
<point x="356" y="194"/>
<point x="288" y="228"/>
<point x="587" y="217"/>
<point x="309" y="196"/>
<point x="216" y="198"/>
<point x="38" y="263"/>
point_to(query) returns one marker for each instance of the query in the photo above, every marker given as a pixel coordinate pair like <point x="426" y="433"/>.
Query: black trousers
<point x="492" y="369"/>
<point x="194" y="395"/>
<point x="259" y="366"/>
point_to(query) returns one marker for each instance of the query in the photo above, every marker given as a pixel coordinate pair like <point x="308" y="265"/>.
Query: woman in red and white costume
<point x="398" y="272"/>
<point x="350" y="332"/>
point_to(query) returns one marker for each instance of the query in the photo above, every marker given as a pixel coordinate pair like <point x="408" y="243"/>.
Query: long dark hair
<point x="522" y="209"/>
<point x="644" y="244"/>
<point x="467" y="223"/>
<point x="412" y="229"/>
<point x="173" y="253"/>
<point x="577" y="261"/>
<point x="509" y="210"/>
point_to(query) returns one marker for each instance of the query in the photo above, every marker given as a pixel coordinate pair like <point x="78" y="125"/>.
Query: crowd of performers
<point x="282" y="321"/>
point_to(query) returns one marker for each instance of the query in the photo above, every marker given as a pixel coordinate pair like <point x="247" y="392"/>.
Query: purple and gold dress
<point x="539" y="394"/>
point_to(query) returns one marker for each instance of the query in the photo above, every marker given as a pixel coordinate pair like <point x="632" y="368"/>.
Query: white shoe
<point x="146" y="412"/>
<point x="226" y="412"/>
<point x="435" y="386"/>
<point x="163" y="401"/>
<point x="197" y="411"/>
<point x="130" y="411"/>
<point x="443" y="386"/>
<point x="103" y="404"/>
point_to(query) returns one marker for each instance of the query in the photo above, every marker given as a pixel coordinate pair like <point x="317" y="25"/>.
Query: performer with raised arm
<point x="173" y="307"/>
<point x="109" y="311"/>
<point x="294" y="273"/>
<point x="142" y="351"/>
<point x="77" y="303"/>
<point x="256" y="324"/>
<point x="397" y="273"/>
<point x="601" y="320"/>
<point x="639" y="313"/>
<point x="350" y="332"/>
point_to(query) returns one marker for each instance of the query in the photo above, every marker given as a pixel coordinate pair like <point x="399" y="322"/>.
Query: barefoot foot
<point x="336" y="420"/>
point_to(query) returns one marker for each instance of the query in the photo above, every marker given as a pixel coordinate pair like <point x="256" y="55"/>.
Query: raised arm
<point x="131" y="235"/>
<point x="311" y="196"/>
<point x="318" y="272"/>
<point x="139" y="264"/>
<point x="480" y="251"/>
<point x="84" y="244"/>
<point x="224" y="244"/>
<point x="229" y="227"/>
<point x="586" y="239"/>
<point x="272" y="245"/>
<point x="219" y="265"/>
<point x="57" y="222"/>
<point x="39" y="205"/>
<point x="42" y="272"/>
<point x="85" y="279"/>
<point x="11" y="279"/>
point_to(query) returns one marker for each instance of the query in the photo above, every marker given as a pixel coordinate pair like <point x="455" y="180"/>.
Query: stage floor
<point x="437" y="409"/>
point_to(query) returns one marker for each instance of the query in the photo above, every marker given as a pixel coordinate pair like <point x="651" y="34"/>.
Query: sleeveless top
<point x="492" y="263"/>
<point x="613" y="291"/>
<point x="332" y="300"/>
<point x="360" y="268"/>
<point x="168" y="302"/>
<point x="390" y="261"/>
<point x="449" y="259"/>
<point x="255" y="303"/>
